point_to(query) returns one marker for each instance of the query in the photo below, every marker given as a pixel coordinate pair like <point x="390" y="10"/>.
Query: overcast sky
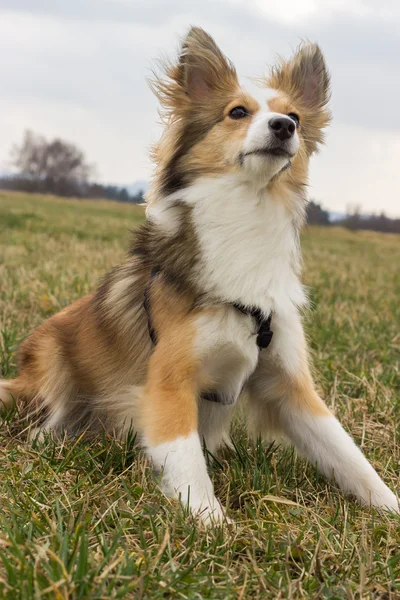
<point x="77" y="69"/>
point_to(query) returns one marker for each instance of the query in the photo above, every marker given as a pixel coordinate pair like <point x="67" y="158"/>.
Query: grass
<point x="83" y="519"/>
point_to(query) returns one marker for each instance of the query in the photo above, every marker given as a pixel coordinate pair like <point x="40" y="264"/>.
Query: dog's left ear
<point x="304" y="78"/>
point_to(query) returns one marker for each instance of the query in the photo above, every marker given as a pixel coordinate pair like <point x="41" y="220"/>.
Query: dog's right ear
<point x="201" y="75"/>
<point x="203" y="69"/>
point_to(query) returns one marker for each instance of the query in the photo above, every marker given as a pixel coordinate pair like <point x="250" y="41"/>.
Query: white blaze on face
<point x="261" y="94"/>
<point x="260" y="136"/>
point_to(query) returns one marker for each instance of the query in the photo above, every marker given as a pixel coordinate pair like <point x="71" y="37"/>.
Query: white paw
<point x="382" y="497"/>
<point x="203" y="505"/>
<point x="185" y="477"/>
<point x="201" y="502"/>
<point x="210" y="512"/>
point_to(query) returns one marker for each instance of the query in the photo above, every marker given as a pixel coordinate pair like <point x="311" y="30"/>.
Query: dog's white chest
<point x="226" y="345"/>
<point x="249" y="247"/>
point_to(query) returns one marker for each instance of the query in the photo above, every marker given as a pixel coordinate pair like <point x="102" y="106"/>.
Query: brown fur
<point x="169" y="402"/>
<point x="193" y="98"/>
<point x="93" y="348"/>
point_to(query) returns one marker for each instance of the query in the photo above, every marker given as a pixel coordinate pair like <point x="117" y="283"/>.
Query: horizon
<point x="142" y="185"/>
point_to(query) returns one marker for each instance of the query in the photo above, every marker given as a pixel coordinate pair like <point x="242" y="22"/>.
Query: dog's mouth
<point x="274" y="151"/>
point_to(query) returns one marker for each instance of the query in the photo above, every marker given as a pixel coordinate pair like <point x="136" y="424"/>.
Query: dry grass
<point x="86" y="520"/>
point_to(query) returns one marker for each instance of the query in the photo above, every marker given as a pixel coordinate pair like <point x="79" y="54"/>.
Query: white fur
<point x="262" y="94"/>
<point x="288" y="342"/>
<point x="166" y="215"/>
<point x="226" y="348"/>
<point x="185" y="475"/>
<point x="249" y="246"/>
<point x="225" y="345"/>
<point x="324" y="442"/>
<point x="260" y="136"/>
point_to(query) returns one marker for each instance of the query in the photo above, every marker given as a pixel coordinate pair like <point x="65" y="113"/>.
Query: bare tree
<point x="54" y="166"/>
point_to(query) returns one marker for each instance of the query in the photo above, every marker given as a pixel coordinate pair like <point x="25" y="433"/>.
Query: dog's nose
<point x="283" y="127"/>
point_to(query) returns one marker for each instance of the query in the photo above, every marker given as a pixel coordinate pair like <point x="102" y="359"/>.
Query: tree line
<point x="354" y="220"/>
<point x="58" y="167"/>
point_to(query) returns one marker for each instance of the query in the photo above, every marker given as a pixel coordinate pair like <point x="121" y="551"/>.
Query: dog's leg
<point x="214" y="425"/>
<point x="282" y="396"/>
<point x="169" y="422"/>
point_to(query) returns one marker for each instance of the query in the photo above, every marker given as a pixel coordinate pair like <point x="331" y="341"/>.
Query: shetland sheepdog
<point x="205" y="313"/>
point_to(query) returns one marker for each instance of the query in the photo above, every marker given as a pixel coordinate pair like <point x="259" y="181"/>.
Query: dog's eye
<point x="238" y="112"/>
<point x="294" y="118"/>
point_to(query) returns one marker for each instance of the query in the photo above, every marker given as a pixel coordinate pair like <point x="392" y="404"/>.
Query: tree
<point x="316" y="215"/>
<point x="55" y="166"/>
<point x="354" y="217"/>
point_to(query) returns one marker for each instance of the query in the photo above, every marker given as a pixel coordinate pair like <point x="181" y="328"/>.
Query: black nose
<point x="283" y="127"/>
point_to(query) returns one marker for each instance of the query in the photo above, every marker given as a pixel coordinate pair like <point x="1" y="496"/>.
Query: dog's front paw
<point x="185" y="478"/>
<point x="210" y="512"/>
<point x="204" y="506"/>
<point x="382" y="497"/>
<point x="371" y="491"/>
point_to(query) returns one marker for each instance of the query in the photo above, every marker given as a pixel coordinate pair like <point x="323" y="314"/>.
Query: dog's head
<point x="265" y="133"/>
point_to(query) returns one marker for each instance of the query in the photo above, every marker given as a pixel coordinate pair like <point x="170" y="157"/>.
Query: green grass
<point x="82" y="519"/>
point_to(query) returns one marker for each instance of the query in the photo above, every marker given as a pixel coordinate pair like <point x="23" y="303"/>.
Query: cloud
<point x="78" y="68"/>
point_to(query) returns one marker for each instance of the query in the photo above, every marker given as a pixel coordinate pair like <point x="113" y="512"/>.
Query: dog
<point x="206" y="310"/>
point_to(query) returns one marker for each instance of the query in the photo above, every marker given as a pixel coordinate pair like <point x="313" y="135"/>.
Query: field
<point x="82" y="519"/>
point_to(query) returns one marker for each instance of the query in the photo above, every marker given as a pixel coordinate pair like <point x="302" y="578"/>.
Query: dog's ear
<point x="203" y="69"/>
<point x="304" y="78"/>
<point x="202" y="76"/>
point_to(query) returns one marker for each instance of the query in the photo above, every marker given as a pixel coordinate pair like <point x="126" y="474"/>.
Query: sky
<point x="77" y="69"/>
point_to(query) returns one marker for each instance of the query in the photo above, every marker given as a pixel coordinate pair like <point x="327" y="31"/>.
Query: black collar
<point x="264" y="333"/>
